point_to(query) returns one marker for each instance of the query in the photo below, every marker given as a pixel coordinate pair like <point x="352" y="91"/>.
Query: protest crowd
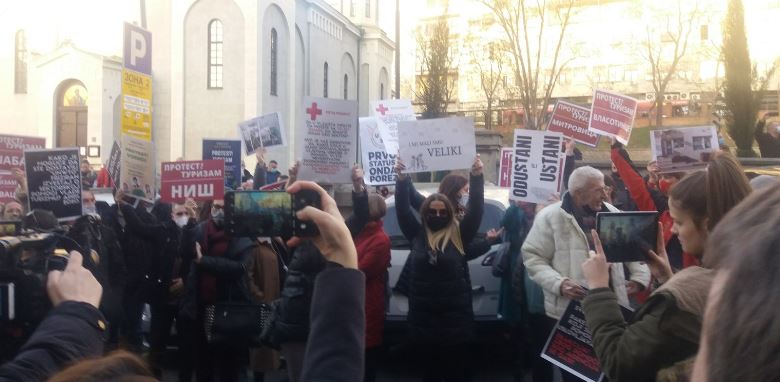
<point x="687" y="297"/>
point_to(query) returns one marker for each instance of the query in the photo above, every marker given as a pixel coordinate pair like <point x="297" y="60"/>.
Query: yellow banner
<point x="137" y="104"/>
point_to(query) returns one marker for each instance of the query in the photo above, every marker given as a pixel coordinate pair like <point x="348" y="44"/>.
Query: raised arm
<point x="152" y="231"/>
<point x="360" y="212"/>
<point x="476" y="205"/>
<point x="260" y="171"/>
<point x="634" y="182"/>
<point x="406" y="220"/>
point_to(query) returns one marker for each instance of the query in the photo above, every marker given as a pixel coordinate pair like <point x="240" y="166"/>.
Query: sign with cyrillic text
<point x="230" y="152"/>
<point x="12" y="157"/>
<point x="54" y="181"/>
<point x="572" y="121"/>
<point x="537" y="168"/>
<point x="328" y="145"/>
<point x="612" y="114"/>
<point x="378" y="165"/>
<point x="200" y="180"/>
<point x="390" y="112"/>
<point x="437" y="144"/>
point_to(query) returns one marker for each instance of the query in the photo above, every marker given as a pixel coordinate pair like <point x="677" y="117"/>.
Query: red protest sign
<point x="612" y="114"/>
<point x="12" y="150"/>
<point x="505" y="168"/>
<point x="198" y="179"/>
<point x="572" y="121"/>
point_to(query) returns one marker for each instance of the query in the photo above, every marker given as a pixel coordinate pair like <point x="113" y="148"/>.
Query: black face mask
<point x="436" y="223"/>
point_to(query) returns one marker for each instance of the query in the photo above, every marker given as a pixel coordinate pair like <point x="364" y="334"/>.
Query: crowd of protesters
<point x="696" y="316"/>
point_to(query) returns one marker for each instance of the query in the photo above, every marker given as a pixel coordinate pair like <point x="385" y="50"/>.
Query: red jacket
<point x="373" y="249"/>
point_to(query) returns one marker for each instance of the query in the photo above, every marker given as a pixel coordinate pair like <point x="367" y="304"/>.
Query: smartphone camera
<point x="269" y="213"/>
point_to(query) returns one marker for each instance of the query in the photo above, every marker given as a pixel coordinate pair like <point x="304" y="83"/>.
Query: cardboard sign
<point x="378" y="165"/>
<point x="200" y="180"/>
<point x="137" y="173"/>
<point x="7" y="188"/>
<point x="572" y="121"/>
<point x="505" y="168"/>
<point x="12" y="156"/>
<point x="612" y="114"/>
<point x="230" y="152"/>
<point x="54" y="181"/>
<point x="328" y="145"/>
<point x="537" y="168"/>
<point x="114" y="162"/>
<point x="390" y="112"/>
<point x="263" y="131"/>
<point x="570" y="346"/>
<point x="437" y="144"/>
<point x="683" y="149"/>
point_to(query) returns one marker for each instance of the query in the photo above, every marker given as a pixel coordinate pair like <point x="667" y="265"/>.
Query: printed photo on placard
<point x="683" y="149"/>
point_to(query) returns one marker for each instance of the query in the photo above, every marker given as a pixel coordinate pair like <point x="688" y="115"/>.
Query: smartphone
<point x="627" y="236"/>
<point x="269" y="213"/>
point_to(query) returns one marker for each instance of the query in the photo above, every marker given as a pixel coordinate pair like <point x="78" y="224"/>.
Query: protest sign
<point x="683" y="149"/>
<point x="537" y="168"/>
<point x="572" y="121"/>
<point x="12" y="156"/>
<point x="54" y="181"/>
<point x="263" y="131"/>
<point x="328" y="145"/>
<point x="200" y="180"/>
<point x="114" y="162"/>
<point x="612" y="114"/>
<point x="390" y="112"/>
<point x="137" y="168"/>
<point x="377" y="164"/>
<point x="437" y="144"/>
<point x="570" y="346"/>
<point x="505" y="168"/>
<point x="230" y="152"/>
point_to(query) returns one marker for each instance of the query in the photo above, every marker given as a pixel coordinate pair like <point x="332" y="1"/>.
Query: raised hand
<point x="596" y="269"/>
<point x="659" y="262"/>
<point x="75" y="283"/>
<point x="477" y="166"/>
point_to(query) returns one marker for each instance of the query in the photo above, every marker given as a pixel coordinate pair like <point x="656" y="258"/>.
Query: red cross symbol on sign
<point x="382" y="109"/>
<point x="313" y="111"/>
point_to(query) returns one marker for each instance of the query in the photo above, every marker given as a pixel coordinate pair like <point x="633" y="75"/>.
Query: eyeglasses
<point x="438" y="212"/>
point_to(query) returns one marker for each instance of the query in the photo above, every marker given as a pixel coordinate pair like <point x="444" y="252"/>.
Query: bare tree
<point x="491" y="73"/>
<point x="435" y="82"/>
<point x="536" y="70"/>
<point x="665" y="47"/>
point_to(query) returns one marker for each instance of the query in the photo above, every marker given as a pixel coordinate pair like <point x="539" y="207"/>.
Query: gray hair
<point x="582" y="176"/>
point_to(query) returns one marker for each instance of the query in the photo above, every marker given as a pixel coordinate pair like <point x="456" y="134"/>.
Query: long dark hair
<point x="117" y="366"/>
<point x="451" y="185"/>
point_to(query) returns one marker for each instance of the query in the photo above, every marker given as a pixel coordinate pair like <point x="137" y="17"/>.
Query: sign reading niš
<point x="199" y="180"/>
<point x="437" y="144"/>
<point x="572" y="121"/>
<point x="612" y="114"/>
<point x="390" y="112"/>
<point x="230" y="152"/>
<point x="54" y="181"/>
<point x="328" y="145"/>
<point x="377" y="164"/>
<point x="537" y="168"/>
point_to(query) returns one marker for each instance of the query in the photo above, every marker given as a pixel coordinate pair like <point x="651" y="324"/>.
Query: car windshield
<point x="490" y="219"/>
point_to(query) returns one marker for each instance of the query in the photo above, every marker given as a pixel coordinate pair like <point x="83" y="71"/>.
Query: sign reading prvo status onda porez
<point x="54" y="181"/>
<point x="612" y="114"/>
<point x="572" y="121"/>
<point x="537" y="168"/>
<point x="199" y="180"/>
<point x="328" y="145"/>
<point x="378" y="165"/>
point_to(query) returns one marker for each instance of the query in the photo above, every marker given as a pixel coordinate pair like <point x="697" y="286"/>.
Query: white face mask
<point x="89" y="210"/>
<point x="464" y="199"/>
<point x="181" y="221"/>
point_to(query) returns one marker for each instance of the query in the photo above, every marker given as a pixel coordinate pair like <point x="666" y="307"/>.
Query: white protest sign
<point x="437" y="144"/>
<point x="537" y="171"/>
<point x="263" y="131"/>
<point x="137" y="174"/>
<point x="683" y="149"/>
<point x="390" y="112"/>
<point x="377" y="164"/>
<point x="328" y="145"/>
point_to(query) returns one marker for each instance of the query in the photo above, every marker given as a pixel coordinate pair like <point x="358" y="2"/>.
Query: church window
<point x="352" y="6"/>
<point x="216" y="39"/>
<point x="20" y="63"/>
<point x="325" y="81"/>
<point x="368" y="8"/>
<point x="346" y="86"/>
<point x="274" y="50"/>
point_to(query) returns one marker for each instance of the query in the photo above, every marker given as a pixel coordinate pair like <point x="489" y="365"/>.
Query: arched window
<point x="325" y="81"/>
<point x="216" y="39"/>
<point x="352" y="8"/>
<point x="20" y="63"/>
<point x="346" y="86"/>
<point x="368" y="9"/>
<point x="381" y="91"/>
<point x="274" y="50"/>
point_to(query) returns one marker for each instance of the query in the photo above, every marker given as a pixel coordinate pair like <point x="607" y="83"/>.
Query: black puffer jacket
<point x="439" y="290"/>
<point x="138" y="250"/>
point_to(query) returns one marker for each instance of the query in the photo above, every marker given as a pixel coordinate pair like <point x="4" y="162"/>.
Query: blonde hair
<point x="438" y="240"/>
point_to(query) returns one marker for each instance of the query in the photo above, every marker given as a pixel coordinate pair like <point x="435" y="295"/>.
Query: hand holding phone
<point x="334" y="240"/>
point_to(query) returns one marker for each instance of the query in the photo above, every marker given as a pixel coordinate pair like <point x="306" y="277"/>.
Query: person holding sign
<point x="666" y="329"/>
<point x="556" y="246"/>
<point x="435" y="277"/>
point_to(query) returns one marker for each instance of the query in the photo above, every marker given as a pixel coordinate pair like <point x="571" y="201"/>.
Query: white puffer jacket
<point x="555" y="249"/>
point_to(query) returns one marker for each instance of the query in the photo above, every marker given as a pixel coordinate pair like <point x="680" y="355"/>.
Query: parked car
<point x="485" y="286"/>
